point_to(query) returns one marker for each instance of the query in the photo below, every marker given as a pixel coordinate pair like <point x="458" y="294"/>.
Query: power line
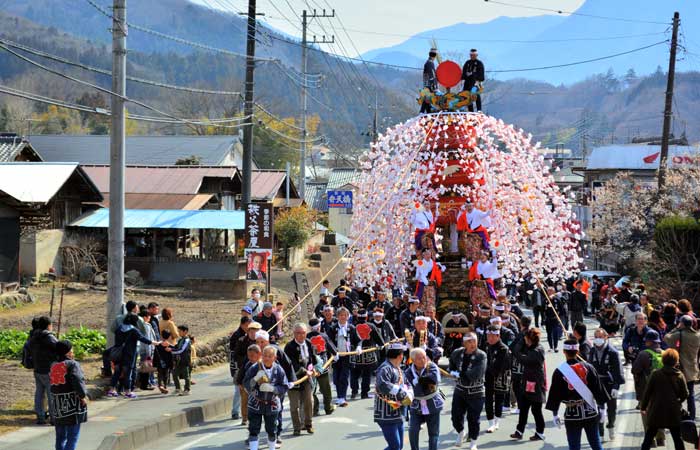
<point x="514" y="41"/>
<point x="109" y="73"/>
<point x="105" y="112"/>
<point x="175" y="38"/>
<point x="96" y="87"/>
<point x="585" y="61"/>
<point x="574" y="13"/>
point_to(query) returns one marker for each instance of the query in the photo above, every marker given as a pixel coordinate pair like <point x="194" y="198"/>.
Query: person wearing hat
<point x="481" y="322"/>
<point x="606" y="360"/>
<point x="323" y="301"/>
<point x="363" y="363"/>
<point x="453" y="339"/>
<point x="429" y="79"/>
<point x="67" y="396"/>
<point x="647" y="361"/>
<point x="380" y="302"/>
<point x="576" y="384"/>
<point x="497" y="376"/>
<point x="394" y="394"/>
<point x="687" y="341"/>
<point x="473" y="74"/>
<point x="234" y="362"/>
<point x="343" y="300"/>
<point x="247" y="312"/>
<point x="386" y="331"/>
<point x="325" y="351"/>
<point x="407" y="318"/>
<point x="241" y="357"/>
<point x="468" y="365"/>
<point x="424" y="377"/>
<point x="266" y="383"/>
<point x="339" y="335"/>
<point x="268" y="321"/>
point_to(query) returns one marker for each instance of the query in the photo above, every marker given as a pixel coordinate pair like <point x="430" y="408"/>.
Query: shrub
<point x="294" y="226"/>
<point x="85" y="342"/>
<point x="11" y="343"/>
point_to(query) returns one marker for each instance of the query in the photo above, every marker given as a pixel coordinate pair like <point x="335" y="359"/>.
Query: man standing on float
<point x="473" y="75"/>
<point x="429" y="79"/>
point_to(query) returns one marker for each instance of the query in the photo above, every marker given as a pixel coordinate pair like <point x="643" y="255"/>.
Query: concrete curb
<point x="136" y="437"/>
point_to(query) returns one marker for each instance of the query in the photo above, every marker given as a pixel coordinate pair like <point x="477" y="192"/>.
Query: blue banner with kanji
<point x="339" y="199"/>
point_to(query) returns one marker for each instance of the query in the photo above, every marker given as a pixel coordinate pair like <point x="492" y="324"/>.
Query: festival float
<point x="456" y="205"/>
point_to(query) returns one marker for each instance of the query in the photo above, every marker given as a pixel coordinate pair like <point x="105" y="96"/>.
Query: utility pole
<point x="248" y="106"/>
<point x="117" y="161"/>
<point x="376" y="114"/>
<point x="306" y="18"/>
<point x="668" y="109"/>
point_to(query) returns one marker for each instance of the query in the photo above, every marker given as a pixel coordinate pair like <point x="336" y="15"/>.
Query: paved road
<point x="351" y="427"/>
<point x="343" y="430"/>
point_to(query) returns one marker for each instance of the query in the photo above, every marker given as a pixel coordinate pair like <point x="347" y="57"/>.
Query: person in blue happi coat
<point x="394" y="394"/>
<point x="423" y="376"/>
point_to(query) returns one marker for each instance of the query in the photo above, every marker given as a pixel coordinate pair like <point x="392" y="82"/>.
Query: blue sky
<point x="395" y="17"/>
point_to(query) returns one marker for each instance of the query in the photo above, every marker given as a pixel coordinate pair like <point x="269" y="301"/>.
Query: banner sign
<point x="339" y="199"/>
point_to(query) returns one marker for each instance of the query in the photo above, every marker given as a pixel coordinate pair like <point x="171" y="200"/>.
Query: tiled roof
<point x="151" y="150"/>
<point x="316" y="196"/>
<point x="11" y="146"/>
<point x="342" y="176"/>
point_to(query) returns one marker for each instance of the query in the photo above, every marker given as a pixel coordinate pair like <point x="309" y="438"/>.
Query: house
<point x="271" y="186"/>
<point x="342" y="179"/>
<point x="173" y="187"/>
<point x="39" y="199"/>
<point x="315" y="195"/>
<point x="604" y="163"/>
<point x="15" y="148"/>
<point x="141" y="150"/>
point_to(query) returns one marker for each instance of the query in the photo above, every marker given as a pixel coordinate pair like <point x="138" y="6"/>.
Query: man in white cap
<point x="423" y="338"/>
<point x="407" y="318"/>
<point x="468" y="365"/>
<point x="473" y="74"/>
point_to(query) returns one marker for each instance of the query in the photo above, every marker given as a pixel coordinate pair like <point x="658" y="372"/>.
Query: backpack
<point x="27" y="360"/>
<point x="656" y="362"/>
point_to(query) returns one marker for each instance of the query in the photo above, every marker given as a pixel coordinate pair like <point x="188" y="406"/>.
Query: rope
<point x="364" y="230"/>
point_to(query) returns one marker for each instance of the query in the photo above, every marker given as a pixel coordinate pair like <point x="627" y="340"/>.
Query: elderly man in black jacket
<point x="303" y="358"/>
<point x="42" y="346"/>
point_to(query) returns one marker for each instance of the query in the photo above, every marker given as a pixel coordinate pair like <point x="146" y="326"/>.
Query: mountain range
<point x="599" y="28"/>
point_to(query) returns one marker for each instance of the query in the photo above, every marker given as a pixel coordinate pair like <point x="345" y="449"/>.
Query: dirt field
<point x="206" y="318"/>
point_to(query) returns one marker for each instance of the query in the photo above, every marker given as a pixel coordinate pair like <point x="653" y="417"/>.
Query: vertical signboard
<point x="259" y="218"/>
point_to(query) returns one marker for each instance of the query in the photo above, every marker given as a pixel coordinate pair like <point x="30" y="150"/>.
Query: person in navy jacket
<point x="424" y="376"/>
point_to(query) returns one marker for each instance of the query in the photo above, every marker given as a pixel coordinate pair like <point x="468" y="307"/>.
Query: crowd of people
<point x="496" y="361"/>
<point x="146" y="342"/>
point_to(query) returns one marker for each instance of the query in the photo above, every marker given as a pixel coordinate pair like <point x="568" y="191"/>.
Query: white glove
<point x="336" y="357"/>
<point x="258" y="376"/>
<point x="290" y="385"/>
<point x="557" y="421"/>
<point x="613" y="393"/>
<point x="266" y="387"/>
<point x="479" y="331"/>
<point x="455" y="374"/>
<point x="358" y="350"/>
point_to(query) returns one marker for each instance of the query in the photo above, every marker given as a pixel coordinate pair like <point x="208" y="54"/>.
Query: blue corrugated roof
<point x="167" y="218"/>
<point x="637" y="157"/>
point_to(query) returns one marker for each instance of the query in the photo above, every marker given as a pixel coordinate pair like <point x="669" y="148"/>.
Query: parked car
<point x="603" y="276"/>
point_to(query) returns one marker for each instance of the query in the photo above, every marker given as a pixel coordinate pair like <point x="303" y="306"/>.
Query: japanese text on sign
<point x="340" y="199"/>
<point x="258" y="225"/>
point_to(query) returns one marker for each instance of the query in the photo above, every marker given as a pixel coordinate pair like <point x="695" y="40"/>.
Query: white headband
<point x="572" y="347"/>
<point x="262" y="334"/>
<point x="495" y="332"/>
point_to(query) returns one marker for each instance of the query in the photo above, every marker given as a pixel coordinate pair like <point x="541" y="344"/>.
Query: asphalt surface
<point x="346" y="429"/>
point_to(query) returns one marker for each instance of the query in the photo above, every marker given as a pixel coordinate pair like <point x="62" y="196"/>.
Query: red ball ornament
<point x="449" y="74"/>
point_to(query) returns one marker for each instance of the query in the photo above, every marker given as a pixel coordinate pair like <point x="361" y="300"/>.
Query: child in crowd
<point x="182" y="360"/>
<point x="164" y="363"/>
<point x="254" y="354"/>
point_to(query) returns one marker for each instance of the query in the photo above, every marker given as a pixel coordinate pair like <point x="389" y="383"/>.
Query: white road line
<point x="190" y="444"/>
